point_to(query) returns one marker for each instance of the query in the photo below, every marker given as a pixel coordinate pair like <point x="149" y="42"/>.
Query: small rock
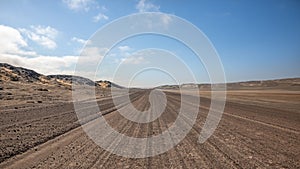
<point x="42" y="89"/>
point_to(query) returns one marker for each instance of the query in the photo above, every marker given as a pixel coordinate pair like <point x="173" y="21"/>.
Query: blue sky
<point x="254" y="39"/>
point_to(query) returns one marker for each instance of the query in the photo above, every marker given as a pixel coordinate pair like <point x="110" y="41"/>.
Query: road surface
<point x="251" y="134"/>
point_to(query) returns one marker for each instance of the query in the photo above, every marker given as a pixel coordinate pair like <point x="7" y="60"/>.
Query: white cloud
<point x="166" y="19"/>
<point x="42" y="35"/>
<point x="124" y="48"/>
<point x="45" y="30"/>
<point x="13" y="36"/>
<point x="43" y="64"/>
<point x="144" y="6"/>
<point x="92" y="54"/>
<point x="42" y="40"/>
<point x="133" y="60"/>
<point x="100" y="17"/>
<point x="14" y="50"/>
<point x="78" y="40"/>
<point x="79" y="5"/>
<point x="12" y="42"/>
<point x="153" y="21"/>
<point x="89" y="59"/>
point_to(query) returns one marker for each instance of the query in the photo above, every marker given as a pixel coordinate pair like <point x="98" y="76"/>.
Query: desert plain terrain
<point x="260" y="126"/>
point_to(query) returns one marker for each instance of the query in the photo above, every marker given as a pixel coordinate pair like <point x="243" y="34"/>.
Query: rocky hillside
<point x="69" y="80"/>
<point x="9" y="73"/>
<point x="108" y="84"/>
<point x="12" y="73"/>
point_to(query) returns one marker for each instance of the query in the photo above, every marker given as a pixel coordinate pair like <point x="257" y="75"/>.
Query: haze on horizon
<point x="255" y="40"/>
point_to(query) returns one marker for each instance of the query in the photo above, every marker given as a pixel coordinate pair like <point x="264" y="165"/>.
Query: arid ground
<point x="260" y="128"/>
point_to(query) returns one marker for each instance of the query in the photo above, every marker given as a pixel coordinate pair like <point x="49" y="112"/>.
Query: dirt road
<point x="250" y="135"/>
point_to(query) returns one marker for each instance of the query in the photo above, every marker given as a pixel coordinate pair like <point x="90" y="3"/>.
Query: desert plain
<point x="260" y="125"/>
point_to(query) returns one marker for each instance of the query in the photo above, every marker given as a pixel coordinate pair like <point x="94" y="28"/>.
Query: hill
<point x="9" y="73"/>
<point x="70" y="79"/>
<point x="285" y="84"/>
<point x="12" y="73"/>
<point x="108" y="84"/>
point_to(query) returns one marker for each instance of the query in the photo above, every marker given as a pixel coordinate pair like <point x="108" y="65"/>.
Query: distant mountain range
<point x="289" y="83"/>
<point x="13" y="73"/>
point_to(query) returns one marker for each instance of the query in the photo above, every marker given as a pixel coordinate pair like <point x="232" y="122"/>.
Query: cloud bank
<point x="14" y="50"/>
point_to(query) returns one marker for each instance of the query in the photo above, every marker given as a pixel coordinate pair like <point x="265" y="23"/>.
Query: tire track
<point x="53" y="138"/>
<point x="253" y="160"/>
<point x="213" y="154"/>
<point x="219" y="151"/>
<point x="122" y="127"/>
<point x="251" y="120"/>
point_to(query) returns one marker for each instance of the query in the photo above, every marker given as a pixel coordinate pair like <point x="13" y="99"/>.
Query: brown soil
<point x="259" y="129"/>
